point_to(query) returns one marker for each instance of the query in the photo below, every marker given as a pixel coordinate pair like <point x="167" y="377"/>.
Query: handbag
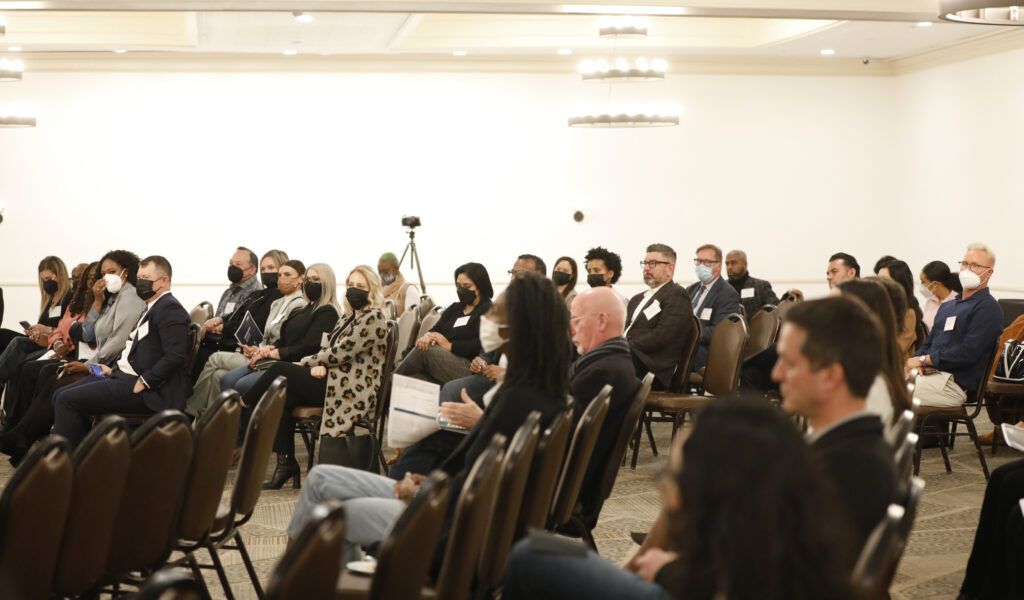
<point x="355" y="451"/>
<point x="1010" y="366"/>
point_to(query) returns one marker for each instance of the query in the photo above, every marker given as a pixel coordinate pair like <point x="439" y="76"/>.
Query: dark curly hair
<point x="611" y="260"/>
<point x="129" y="261"/>
<point x="539" y="347"/>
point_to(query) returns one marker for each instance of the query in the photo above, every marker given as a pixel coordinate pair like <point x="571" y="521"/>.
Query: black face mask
<point x="357" y="298"/>
<point x="560" y="278"/>
<point x="596" y="280"/>
<point x="466" y="295"/>
<point x="269" y="279"/>
<point x="313" y="290"/>
<point x="50" y="286"/>
<point x="234" y="274"/>
<point x="144" y="288"/>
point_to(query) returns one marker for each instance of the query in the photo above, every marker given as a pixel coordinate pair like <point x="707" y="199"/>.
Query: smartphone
<point x="96" y="370"/>
<point x="24" y="325"/>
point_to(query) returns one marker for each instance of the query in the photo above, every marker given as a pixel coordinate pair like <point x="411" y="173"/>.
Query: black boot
<point x="287" y="468"/>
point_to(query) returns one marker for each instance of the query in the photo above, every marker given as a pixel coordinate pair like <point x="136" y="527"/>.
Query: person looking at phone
<point x="54" y="296"/>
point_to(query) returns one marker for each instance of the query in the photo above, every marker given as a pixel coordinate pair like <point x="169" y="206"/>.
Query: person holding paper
<point x="242" y="270"/>
<point x="712" y="298"/>
<point x="657" y="320"/>
<point x="754" y="293"/>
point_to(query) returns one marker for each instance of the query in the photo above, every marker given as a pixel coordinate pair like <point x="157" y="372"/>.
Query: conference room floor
<point x="931" y="568"/>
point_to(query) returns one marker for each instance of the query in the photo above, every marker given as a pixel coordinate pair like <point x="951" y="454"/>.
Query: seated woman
<point x="219" y="332"/>
<point x="115" y="311"/>
<point x="444" y="353"/>
<point x="564" y="275"/>
<point x="343" y="376"/>
<point x="767" y="531"/>
<point x="55" y="294"/>
<point x="912" y="331"/>
<point x="938" y="285"/>
<point x="288" y="282"/>
<point x="530" y="315"/>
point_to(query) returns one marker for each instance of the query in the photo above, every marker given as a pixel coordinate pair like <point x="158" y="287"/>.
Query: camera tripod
<point x="414" y="259"/>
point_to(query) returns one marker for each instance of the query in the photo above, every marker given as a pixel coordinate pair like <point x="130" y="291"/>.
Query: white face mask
<point x="924" y="291"/>
<point x="969" y="279"/>
<point x="704" y="273"/>
<point x="490" y="338"/>
<point x="114" y="283"/>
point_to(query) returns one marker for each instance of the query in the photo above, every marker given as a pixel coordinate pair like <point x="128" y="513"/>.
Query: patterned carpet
<point x="931" y="568"/>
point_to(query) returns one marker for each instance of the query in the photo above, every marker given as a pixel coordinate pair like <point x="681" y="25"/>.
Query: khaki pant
<point x="207" y="387"/>
<point x="939" y="389"/>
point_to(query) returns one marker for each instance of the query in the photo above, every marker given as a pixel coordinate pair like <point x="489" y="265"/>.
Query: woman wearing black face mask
<point x="343" y="376"/>
<point x="445" y="352"/>
<point x="55" y="294"/>
<point x="564" y="276"/>
<point x="604" y="268"/>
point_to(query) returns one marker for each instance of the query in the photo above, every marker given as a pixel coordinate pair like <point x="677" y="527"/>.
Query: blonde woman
<point x="54" y="296"/>
<point x="344" y="375"/>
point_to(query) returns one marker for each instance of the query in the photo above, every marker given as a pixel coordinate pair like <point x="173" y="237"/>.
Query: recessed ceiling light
<point x="459" y="53"/>
<point x="14" y="48"/>
<point x="564" y="51"/>
<point x="325" y="54"/>
<point x="923" y="24"/>
<point x="302" y="17"/>
<point x="290" y="52"/>
<point x="827" y="52"/>
<point x="119" y="51"/>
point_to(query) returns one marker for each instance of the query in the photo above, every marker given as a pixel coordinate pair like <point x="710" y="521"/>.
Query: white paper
<point x="47" y="355"/>
<point x="747" y="293"/>
<point x="85" y="352"/>
<point x="705" y="314"/>
<point x="413" y="412"/>
<point x="1022" y="506"/>
<point x="142" y="331"/>
<point x="325" y="339"/>
<point x="652" y="311"/>
<point x="55" y="312"/>
<point x="950" y="323"/>
<point x="229" y="308"/>
<point x="461" y="321"/>
<point x="1014" y="436"/>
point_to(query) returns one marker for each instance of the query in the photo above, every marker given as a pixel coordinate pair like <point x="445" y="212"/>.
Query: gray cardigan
<point x="114" y="323"/>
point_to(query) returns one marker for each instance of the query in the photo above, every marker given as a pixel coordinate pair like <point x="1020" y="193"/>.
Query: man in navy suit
<point x="152" y="374"/>
<point x="713" y="299"/>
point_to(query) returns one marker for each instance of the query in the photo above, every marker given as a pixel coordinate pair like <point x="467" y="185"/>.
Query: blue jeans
<point x="535" y="575"/>
<point x="240" y="379"/>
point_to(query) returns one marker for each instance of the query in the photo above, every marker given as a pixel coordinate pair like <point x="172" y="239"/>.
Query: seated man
<point x="242" y="270"/>
<point x="712" y="299"/>
<point x="152" y="374"/>
<point x="658" y="320"/>
<point x="841" y="266"/>
<point x="956" y="352"/>
<point x="404" y="294"/>
<point x="604" y="268"/>
<point x="754" y="293"/>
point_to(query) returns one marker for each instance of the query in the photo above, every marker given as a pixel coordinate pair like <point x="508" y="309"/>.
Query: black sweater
<point x="258" y="305"/>
<point x="465" y="339"/>
<point x="303" y="330"/>
<point x="46" y="319"/>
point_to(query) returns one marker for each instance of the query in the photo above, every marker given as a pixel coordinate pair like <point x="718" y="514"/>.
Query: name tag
<point x="950" y="323"/>
<point x="229" y="308"/>
<point x="325" y="339"/>
<point x="652" y="311"/>
<point x="747" y="293"/>
<point x="55" y="312"/>
<point x="705" y="314"/>
<point x="142" y="331"/>
<point x="461" y="321"/>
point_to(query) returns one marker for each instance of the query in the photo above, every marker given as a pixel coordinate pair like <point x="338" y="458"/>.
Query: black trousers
<point x="22" y="388"/>
<point x="994" y="568"/>
<point x="38" y="418"/>
<point x="303" y="390"/>
<point x="6" y="335"/>
<point x="75" y="405"/>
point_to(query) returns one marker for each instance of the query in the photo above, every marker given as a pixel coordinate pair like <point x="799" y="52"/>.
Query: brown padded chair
<point x="764" y="326"/>
<point x="147" y="516"/>
<point x="785" y="305"/>
<point x="725" y="357"/>
<point x="473" y="513"/>
<point x="870" y="575"/>
<point x="311" y="565"/>
<point x="429" y="320"/>
<point x="547" y="466"/>
<point x="404" y="556"/>
<point x="252" y="468"/>
<point x="171" y="585"/>
<point x="33" y="509"/>
<point x="193" y="344"/>
<point x="408" y="326"/>
<point x="214" y="439"/>
<point x="515" y="470"/>
<point x="202" y="313"/>
<point x="580" y="450"/>
<point x="101" y="464"/>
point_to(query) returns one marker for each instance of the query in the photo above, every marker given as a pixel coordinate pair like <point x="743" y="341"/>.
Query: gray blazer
<point x="114" y="323"/>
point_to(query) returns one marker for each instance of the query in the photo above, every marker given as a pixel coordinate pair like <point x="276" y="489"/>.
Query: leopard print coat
<point x="354" y="357"/>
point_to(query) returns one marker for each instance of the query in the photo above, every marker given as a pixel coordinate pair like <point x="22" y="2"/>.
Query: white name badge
<point x="950" y="323"/>
<point x="55" y="312"/>
<point x="229" y="308"/>
<point x="142" y="331"/>
<point x="461" y="321"/>
<point x="747" y="293"/>
<point x="705" y="315"/>
<point x="325" y="339"/>
<point x="652" y="311"/>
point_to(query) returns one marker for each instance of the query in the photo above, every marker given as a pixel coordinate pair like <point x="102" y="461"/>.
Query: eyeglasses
<point x="972" y="266"/>
<point x="515" y="273"/>
<point x="707" y="262"/>
<point x="653" y="263"/>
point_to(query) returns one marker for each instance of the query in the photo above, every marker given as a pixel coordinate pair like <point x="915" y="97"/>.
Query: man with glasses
<point x="658" y="320"/>
<point x="956" y="352"/>
<point x="712" y="298"/>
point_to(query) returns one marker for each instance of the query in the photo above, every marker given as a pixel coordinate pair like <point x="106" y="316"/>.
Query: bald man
<point x="598" y="320"/>
<point x="754" y="293"/>
<point x="395" y="288"/>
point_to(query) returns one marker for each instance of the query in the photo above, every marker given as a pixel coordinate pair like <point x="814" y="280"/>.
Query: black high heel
<point x="287" y="468"/>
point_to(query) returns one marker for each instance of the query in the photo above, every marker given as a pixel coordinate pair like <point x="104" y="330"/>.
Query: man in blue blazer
<point x="152" y="374"/>
<point x="713" y="299"/>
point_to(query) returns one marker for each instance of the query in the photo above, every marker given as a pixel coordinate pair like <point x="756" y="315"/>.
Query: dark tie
<point x="698" y="296"/>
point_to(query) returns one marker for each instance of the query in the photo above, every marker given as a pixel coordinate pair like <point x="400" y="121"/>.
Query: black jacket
<point x="658" y="342"/>
<point x="258" y="305"/>
<point x="304" y="329"/>
<point x="465" y="338"/>
<point x="161" y="356"/>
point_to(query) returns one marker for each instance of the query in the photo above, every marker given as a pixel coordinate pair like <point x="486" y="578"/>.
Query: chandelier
<point x="11" y="70"/>
<point x="981" y="12"/>
<point x="640" y="70"/>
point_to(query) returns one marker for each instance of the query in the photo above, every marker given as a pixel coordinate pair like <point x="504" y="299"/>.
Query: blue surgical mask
<point x="704" y="273"/>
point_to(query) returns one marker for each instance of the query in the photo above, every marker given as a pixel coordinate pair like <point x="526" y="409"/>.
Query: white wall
<point x="190" y="165"/>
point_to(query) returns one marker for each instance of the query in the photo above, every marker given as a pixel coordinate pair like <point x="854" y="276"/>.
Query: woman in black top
<point x="55" y="294"/>
<point x="444" y="353"/>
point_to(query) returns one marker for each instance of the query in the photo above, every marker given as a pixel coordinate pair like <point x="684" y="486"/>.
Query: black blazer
<point x="722" y="300"/>
<point x="161" y="356"/>
<point x="466" y="338"/>
<point x="860" y="464"/>
<point x="658" y="342"/>
<point x="258" y="305"/>
<point x="304" y="329"/>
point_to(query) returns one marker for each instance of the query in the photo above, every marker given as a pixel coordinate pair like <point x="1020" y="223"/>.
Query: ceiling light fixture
<point x="923" y="24"/>
<point x="624" y="26"/>
<point x="14" y="48"/>
<point x="641" y="70"/>
<point x="290" y="52"/>
<point x="3" y="25"/>
<point x="302" y="17"/>
<point x="981" y="12"/>
<point x="459" y="53"/>
<point x="13" y="118"/>
<point x="120" y="51"/>
<point x="11" y="70"/>
<point x="664" y="115"/>
<point x="827" y="52"/>
<point x="564" y="51"/>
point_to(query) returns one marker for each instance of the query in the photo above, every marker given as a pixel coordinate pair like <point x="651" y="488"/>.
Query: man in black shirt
<point x="754" y="293"/>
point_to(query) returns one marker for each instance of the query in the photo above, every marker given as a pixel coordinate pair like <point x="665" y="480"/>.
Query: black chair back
<point x="580" y="451"/>
<point x="312" y="563"/>
<point x="171" y="585"/>
<point x="871" y="574"/>
<point x="725" y="356"/>
<point x="763" y="326"/>
<point x="547" y="465"/>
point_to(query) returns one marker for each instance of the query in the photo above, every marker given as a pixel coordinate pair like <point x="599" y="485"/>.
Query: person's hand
<point x="442" y="341"/>
<point x="99" y="293"/>
<point x="425" y="342"/>
<point x="41" y="339"/>
<point x="462" y="414"/>
<point x="139" y="386"/>
<point x="248" y="351"/>
<point x="105" y="371"/>
<point x="271" y="352"/>
<point x="492" y="372"/>
<point x="408" y="486"/>
<point x="478" y="364"/>
<point x="36" y="329"/>
<point x="318" y="372"/>
<point x="795" y="294"/>
<point x="914" y="362"/>
<point x="75" y="367"/>
<point x="210" y="325"/>
<point x="649" y="563"/>
<point x="60" y="349"/>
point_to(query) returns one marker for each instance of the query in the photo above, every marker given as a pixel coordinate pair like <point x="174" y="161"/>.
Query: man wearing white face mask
<point x="953" y="358"/>
<point x="713" y="298"/>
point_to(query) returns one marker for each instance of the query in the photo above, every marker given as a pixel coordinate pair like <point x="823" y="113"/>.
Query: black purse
<point x="1010" y="367"/>
<point x="355" y="451"/>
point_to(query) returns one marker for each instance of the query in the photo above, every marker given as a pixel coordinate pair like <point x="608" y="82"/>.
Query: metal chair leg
<point x="221" y="574"/>
<point x="636" y="439"/>
<point x="973" y="431"/>
<point x="917" y="447"/>
<point x="650" y="436"/>
<point x="248" y="565"/>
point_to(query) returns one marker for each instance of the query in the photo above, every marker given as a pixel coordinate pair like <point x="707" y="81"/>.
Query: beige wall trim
<point x="1001" y="39"/>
